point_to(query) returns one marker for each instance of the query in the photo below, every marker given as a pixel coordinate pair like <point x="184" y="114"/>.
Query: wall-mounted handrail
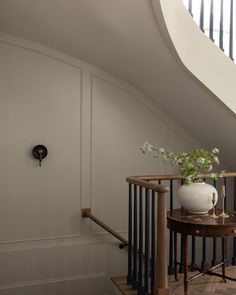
<point x="86" y="212"/>
<point x="144" y="182"/>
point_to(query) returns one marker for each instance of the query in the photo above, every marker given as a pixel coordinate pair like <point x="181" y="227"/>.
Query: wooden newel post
<point x="161" y="276"/>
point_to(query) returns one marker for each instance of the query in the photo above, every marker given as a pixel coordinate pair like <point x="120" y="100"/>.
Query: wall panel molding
<point x="132" y="92"/>
<point x="53" y="280"/>
<point x="43" y="106"/>
<point x="107" y="94"/>
<point x="78" y="255"/>
<point x="99" y="238"/>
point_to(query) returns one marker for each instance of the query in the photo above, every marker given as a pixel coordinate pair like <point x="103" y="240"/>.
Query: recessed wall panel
<point x="120" y="125"/>
<point x="40" y="104"/>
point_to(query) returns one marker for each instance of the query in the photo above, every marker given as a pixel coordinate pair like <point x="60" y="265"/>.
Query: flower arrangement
<point x="192" y="164"/>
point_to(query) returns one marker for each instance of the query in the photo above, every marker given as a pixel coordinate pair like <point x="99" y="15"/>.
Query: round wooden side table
<point x="179" y="221"/>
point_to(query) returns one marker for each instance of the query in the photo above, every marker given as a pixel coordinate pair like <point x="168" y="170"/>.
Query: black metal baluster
<point x="214" y="258"/>
<point x="130" y="239"/>
<point x="135" y="249"/>
<point x="140" y="255"/>
<point x="211" y="36"/>
<point x="204" y="263"/>
<point x="181" y="266"/>
<point x="147" y="242"/>
<point x="153" y="243"/>
<point x="234" y="239"/>
<point x="221" y="44"/>
<point x="193" y="264"/>
<point x="190" y="7"/>
<point x="202" y="16"/>
<point x="224" y="256"/>
<point x="171" y="269"/>
<point x="231" y="30"/>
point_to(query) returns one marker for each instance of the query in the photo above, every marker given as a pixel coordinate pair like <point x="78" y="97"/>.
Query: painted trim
<point x="53" y="280"/>
<point x="88" y="73"/>
<point x="89" y="241"/>
<point x="94" y="71"/>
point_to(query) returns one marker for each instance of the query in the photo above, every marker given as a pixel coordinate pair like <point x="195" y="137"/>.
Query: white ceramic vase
<point x="196" y="198"/>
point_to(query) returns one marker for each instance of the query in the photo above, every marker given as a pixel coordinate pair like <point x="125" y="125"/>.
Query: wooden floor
<point x="207" y="285"/>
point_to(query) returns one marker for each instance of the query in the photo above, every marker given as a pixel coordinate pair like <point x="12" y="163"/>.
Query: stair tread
<point x="121" y="284"/>
<point x="205" y="285"/>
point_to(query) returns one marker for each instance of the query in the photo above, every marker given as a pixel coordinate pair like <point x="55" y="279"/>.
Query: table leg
<point x="175" y="255"/>
<point x="185" y="258"/>
<point x="224" y="256"/>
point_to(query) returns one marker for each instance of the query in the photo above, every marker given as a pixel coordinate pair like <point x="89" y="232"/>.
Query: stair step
<point x="205" y="285"/>
<point x="121" y="284"/>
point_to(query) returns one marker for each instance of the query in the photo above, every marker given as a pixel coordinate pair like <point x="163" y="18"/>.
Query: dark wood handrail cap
<point x="178" y="176"/>
<point x="149" y="185"/>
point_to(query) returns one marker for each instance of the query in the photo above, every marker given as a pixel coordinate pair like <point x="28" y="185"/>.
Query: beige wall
<point x="92" y="124"/>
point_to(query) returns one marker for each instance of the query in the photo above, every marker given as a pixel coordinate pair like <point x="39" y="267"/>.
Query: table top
<point x="202" y="225"/>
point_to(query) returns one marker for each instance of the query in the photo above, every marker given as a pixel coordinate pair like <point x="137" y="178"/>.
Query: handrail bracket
<point x="86" y="212"/>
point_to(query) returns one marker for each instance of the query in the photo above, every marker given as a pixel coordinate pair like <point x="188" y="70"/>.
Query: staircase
<point x="208" y="67"/>
<point x="148" y="267"/>
<point x="206" y="285"/>
<point x="216" y="19"/>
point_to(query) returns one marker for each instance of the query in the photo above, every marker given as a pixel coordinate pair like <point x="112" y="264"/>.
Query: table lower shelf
<point x="207" y="271"/>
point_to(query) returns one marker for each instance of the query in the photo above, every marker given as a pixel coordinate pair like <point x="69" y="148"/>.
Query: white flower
<point x="146" y="147"/>
<point x="215" y="151"/>
<point x="161" y="150"/>
<point x="216" y="160"/>
<point x="192" y="164"/>
<point x="164" y="157"/>
<point x="149" y="147"/>
<point x="189" y="178"/>
<point x="200" y="160"/>
<point x="222" y="173"/>
<point x="179" y="161"/>
<point x="210" y="168"/>
<point x="175" y="160"/>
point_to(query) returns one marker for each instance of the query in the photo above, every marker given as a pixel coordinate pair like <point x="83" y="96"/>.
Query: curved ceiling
<point x="123" y="38"/>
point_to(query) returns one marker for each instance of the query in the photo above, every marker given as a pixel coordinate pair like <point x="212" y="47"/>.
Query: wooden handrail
<point x="160" y="282"/>
<point x="86" y="212"/>
<point x="136" y="194"/>
<point x="143" y="180"/>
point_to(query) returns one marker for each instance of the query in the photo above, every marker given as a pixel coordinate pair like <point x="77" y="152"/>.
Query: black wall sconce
<point x="40" y="152"/>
